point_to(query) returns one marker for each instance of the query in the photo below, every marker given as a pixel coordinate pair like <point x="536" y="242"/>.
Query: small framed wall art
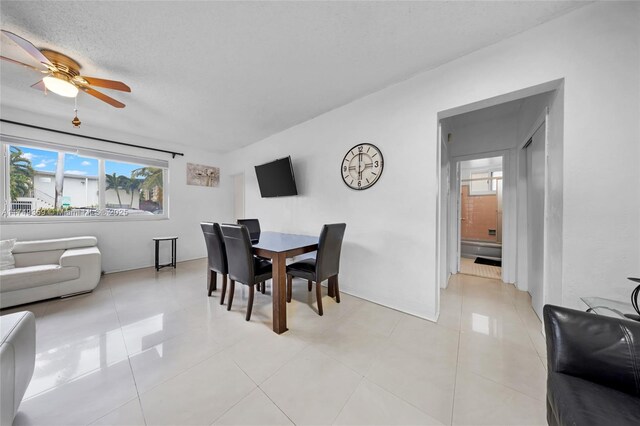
<point x="200" y="175"/>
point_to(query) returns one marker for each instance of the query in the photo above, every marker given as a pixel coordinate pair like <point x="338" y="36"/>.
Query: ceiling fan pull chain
<point x="76" y="121"/>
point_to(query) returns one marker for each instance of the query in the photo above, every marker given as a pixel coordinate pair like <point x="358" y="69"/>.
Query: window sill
<point x="93" y="219"/>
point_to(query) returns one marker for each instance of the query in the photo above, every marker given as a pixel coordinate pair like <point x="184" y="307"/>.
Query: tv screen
<point x="276" y="178"/>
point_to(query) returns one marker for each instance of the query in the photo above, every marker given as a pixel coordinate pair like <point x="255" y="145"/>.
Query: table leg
<point x="174" y="255"/>
<point x="157" y="249"/>
<point x="331" y="288"/>
<point x="279" y="296"/>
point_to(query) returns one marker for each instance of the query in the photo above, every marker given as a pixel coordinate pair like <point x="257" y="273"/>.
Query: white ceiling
<point x="485" y="114"/>
<point x="222" y="75"/>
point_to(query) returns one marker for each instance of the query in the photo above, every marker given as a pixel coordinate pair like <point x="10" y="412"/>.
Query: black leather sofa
<point x="593" y="369"/>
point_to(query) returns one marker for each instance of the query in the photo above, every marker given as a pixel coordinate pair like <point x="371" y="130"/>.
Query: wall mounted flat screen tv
<point x="276" y="179"/>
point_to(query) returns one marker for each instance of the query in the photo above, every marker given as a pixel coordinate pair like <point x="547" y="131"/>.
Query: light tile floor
<point x="469" y="267"/>
<point x="151" y="348"/>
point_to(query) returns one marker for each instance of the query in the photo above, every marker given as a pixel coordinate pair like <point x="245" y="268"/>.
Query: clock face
<point x="362" y="166"/>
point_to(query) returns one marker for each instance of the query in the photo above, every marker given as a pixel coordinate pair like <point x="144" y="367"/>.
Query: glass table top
<point x="609" y="307"/>
<point x="279" y="242"/>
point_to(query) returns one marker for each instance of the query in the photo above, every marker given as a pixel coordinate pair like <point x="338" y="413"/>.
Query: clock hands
<point x="364" y="171"/>
<point x="359" y="169"/>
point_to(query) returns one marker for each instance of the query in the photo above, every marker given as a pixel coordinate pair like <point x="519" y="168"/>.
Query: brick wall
<point x="480" y="213"/>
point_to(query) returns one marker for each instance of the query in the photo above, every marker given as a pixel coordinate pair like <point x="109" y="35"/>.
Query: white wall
<point x="500" y="129"/>
<point x="444" y="213"/>
<point x="554" y="226"/>
<point x="127" y="244"/>
<point x="390" y="244"/>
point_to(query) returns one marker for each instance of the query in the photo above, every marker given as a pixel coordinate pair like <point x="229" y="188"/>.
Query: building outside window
<point x="47" y="180"/>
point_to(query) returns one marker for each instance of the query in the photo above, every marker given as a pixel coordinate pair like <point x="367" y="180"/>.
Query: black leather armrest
<point x="600" y="349"/>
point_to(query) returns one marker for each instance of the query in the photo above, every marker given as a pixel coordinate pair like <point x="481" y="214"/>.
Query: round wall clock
<point x="362" y="166"/>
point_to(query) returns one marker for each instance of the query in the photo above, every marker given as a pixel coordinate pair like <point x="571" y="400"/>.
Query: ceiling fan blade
<point x="102" y="97"/>
<point x="39" y="86"/>
<point x="28" y="47"/>
<point x="4" y="58"/>
<point x="107" y="84"/>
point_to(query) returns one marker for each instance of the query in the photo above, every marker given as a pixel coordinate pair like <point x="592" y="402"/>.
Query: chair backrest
<point x="329" y="247"/>
<point x="215" y="247"/>
<point x="239" y="253"/>
<point x="253" y="225"/>
<point x="596" y="348"/>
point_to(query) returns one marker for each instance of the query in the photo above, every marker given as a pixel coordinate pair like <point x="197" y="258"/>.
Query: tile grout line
<point x="241" y="399"/>
<point x="207" y="357"/>
<point x="260" y="389"/>
<point x="504" y="386"/>
<point x="277" y="406"/>
<point x="130" y="369"/>
<point x="535" y="350"/>
<point x="455" y="380"/>
<point x="362" y="379"/>
<point x="532" y="343"/>
<point x="133" y="376"/>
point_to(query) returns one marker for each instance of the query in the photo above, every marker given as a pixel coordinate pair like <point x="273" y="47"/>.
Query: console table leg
<point x="157" y="255"/>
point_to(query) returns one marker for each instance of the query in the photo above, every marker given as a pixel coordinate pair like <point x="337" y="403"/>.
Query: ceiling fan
<point x="63" y="73"/>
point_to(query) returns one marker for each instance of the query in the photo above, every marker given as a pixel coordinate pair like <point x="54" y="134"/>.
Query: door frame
<point x="522" y="262"/>
<point x="508" y="211"/>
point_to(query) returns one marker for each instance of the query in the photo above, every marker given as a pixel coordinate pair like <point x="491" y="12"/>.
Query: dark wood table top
<point x="278" y="242"/>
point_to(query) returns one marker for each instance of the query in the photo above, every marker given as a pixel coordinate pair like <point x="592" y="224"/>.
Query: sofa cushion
<point x="6" y="257"/>
<point x="17" y="361"/>
<point x="576" y="401"/>
<point x="38" y="258"/>
<point x="56" y="244"/>
<point x="36" y="276"/>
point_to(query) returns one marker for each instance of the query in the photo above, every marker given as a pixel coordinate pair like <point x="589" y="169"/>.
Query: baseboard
<point x="151" y="265"/>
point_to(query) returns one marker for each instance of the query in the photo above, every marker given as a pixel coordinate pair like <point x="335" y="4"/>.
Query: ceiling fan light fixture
<point x="60" y="86"/>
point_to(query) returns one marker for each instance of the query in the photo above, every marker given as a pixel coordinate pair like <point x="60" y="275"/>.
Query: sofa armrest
<point x="54" y="244"/>
<point x="597" y="348"/>
<point x="78" y="256"/>
<point x="89" y="261"/>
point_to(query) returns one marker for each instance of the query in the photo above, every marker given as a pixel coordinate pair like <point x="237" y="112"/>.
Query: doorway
<point x="530" y="235"/>
<point x="534" y="154"/>
<point x="480" y="217"/>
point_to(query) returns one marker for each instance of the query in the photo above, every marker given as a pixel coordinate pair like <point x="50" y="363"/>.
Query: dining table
<point x="279" y="246"/>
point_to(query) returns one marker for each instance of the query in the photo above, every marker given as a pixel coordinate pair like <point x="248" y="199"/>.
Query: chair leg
<point x="250" y="302"/>
<point x="319" y="297"/>
<point x="213" y="278"/>
<point x="309" y="285"/>
<point x="224" y="288"/>
<point x="232" y="285"/>
<point x="336" y="287"/>
<point x="264" y="287"/>
<point x="289" y="287"/>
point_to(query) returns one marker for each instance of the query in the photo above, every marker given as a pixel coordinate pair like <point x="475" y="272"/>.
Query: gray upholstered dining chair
<point x="217" y="257"/>
<point x="253" y="225"/>
<point x="244" y="267"/>
<point x="326" y="265"/>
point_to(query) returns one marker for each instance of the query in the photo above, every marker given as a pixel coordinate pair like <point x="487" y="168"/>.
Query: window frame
<point x="102" y="156"/>
<point x="489" y="171"/>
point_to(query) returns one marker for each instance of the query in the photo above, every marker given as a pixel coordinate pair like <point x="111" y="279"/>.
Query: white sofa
<point x="17" y="361"/>
<point x="50" y="268"/>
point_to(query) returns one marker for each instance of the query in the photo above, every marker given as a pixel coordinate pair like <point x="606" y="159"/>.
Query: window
<point x="495" y="177"/>
<point x="484" y="183"/>
<point x="47" y="180"/>
<point x="136" y="187"/>
<point x="480" y="183"/>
